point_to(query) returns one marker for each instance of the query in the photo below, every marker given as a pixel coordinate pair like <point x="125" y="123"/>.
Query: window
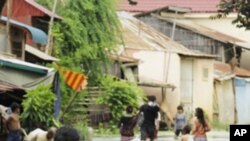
<point x="17" y="49"/>
<point x="205" y="74"/>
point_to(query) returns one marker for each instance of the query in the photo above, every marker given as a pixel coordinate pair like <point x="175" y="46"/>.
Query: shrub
<point x="118" y="95"/>
<point x="38" y="107"/>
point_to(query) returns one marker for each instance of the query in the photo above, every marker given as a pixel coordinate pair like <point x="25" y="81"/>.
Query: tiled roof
<point x="138" y="35"/>
<point x="225" y="69"/>
<point x="150" y="5"/>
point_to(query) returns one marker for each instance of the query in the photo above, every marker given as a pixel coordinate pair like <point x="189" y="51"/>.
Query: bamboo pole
<point x="69" y="104"/>
<point x="9" y="13"/>
<point x="49" y="44"/>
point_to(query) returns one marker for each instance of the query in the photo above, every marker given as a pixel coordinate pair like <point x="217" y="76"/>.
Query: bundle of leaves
<point x="38" y="108"/>
<point x="118" y="94"/>
<point x="241" y="7"/>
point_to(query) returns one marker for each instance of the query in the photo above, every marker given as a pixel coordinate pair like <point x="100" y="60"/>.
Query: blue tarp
<point x="56" y="90"/>
<point x="38" y="36"/>
<point x="242" y="89"/>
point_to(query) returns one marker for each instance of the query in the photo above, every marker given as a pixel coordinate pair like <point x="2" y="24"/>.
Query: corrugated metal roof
<point x="39" y="53"/>
<point x="42" y="9"/>
<point x="138" y="35"/>
<point x="225" y="69"/>
<point x="205" y="31"/>
<point x="38" y="36"/>
<point x="150" y="5"/>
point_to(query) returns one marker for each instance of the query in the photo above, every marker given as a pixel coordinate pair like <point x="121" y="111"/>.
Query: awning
<point x="39" y="53"/>
<point x="4" y="86"/>
<point x="38" y="36"/>
<point x="21" y="65"/>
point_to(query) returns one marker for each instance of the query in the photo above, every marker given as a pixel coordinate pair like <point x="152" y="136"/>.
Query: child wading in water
<point x="186" y="136"/>
<point x="180" y="121"/>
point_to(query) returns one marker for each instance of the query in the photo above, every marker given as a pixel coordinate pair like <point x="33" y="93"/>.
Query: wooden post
<point x="69" y="104"/>
<point x="235" y="106"/>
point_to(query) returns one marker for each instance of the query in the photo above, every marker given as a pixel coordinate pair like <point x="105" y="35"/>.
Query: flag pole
<point x="69" y="104"/>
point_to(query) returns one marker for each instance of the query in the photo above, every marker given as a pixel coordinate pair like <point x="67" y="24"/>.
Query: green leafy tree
<point x="38" y="107"/>
<point x="85" y="36"/>
<point x="241" y="7"/>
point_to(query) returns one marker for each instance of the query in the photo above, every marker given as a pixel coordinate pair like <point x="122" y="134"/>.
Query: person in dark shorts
<point x="13" y="124"/>
<point x="150" y="112"/>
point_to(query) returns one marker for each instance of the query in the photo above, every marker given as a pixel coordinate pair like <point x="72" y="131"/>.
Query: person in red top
<point x="200" y="126"/>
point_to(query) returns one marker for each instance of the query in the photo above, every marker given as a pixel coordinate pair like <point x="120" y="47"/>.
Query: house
<point x="124" y="67"/>
<point x="190" y="23"/>
<point x="31" y="13"/>
<point x="166" y="62"/>
<point x="18" y="48"/>
<point x="231" y="94"/>
<point x="226" y="27"/>
<point x="16" y="77"/>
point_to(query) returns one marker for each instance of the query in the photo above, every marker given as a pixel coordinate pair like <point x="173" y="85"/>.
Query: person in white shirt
<point x="41" y="135"/>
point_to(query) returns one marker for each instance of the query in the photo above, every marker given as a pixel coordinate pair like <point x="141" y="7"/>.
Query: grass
<point x="217" y="125"/>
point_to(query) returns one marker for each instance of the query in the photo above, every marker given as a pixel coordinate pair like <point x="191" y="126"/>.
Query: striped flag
<point x="76" y="81"/>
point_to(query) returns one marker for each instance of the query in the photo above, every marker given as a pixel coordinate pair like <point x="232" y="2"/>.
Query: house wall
<point x="226" y="101"/>
<point x="187" y="85"/>
<point x="153" y="67"/>
<point x="189" y="38"/>
<point x="203" y="85"/>
<point x="197" y="76"/>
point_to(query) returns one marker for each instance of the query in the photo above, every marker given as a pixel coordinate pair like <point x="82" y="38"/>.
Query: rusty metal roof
<point x="225" y="69"/>
<point x="137" y="35"/>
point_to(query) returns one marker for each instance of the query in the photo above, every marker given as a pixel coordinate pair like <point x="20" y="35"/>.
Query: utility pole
<point x="8" y="38"/>
<point x="49" y="44"/>
<point x="170" y="48"/>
